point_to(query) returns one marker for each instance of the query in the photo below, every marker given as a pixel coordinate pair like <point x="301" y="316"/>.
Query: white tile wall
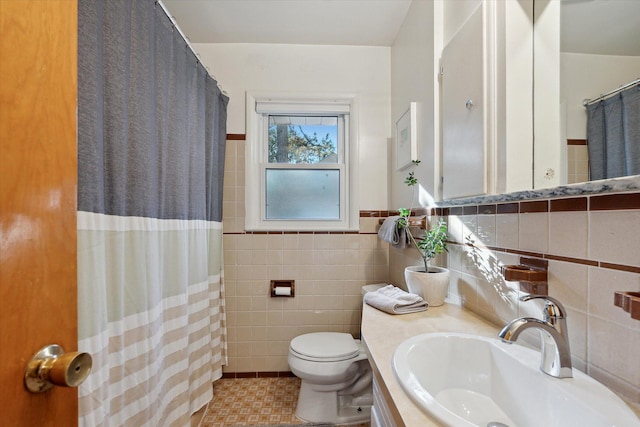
<point x="578" y="162"/>
<point x="533" y="231"/>
<point x="328" y="269"/>
<point x="615" y="236"/>
<point x="487" y="229"/>
<point x="507" y="231"/>
<point x="605" y="341"/>
<point x="568" y="234"/>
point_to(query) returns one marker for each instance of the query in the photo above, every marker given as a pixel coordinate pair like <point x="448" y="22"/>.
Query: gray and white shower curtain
<point x="613" y="134"/>
<point x="151" y="142"/>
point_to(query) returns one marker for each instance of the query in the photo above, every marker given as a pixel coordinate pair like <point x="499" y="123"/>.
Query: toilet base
<point x="330" y="407"/>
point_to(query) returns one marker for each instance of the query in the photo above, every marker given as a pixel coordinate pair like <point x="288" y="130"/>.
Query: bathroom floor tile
<point x="254" y="402"/>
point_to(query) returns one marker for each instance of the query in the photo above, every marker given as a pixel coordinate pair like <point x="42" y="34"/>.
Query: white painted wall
<point x="514" y="153"/>
<point x="584" y="76"/>
<point x="414" y="78"/>
<point x="550" y="153"/>
<point x="455" y="14"/>
<point x="307" y="68"/>
<point x="415" y="57"/>
<point x="387" y="80"/>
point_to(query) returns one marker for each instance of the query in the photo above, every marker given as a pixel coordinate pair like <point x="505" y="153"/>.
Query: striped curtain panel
<point x="151" y="142"/>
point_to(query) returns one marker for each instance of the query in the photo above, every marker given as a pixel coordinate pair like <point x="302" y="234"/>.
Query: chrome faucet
<point x="556" y="355"/>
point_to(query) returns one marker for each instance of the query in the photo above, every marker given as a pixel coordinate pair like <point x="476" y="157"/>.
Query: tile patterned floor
<point x="253" y="402"/>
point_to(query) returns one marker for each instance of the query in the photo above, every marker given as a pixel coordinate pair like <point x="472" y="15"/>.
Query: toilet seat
<point x="325" y="347"/>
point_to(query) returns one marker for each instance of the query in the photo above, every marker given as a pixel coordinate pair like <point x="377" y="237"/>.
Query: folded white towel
<point x="394" y="300"/>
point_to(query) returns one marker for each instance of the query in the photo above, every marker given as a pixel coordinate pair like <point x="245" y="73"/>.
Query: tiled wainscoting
<point x="329" y="270"/>
<point x="592" y="245"/>
<point x="577" y="160"/>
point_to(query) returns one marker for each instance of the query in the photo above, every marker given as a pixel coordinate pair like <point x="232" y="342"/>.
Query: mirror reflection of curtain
<point x="151" y="146"/>
<point x="613" y="133"/>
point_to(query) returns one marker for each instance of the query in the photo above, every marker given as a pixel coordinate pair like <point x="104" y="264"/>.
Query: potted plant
<point x="431" y="283"/>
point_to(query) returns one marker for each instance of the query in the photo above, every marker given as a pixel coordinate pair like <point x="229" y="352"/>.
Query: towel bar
<point x="414" y="221"/>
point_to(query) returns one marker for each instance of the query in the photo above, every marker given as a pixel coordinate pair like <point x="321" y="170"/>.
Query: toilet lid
<point x="332" y="346"/>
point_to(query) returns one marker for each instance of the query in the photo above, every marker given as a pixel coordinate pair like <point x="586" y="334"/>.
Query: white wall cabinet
<point x="486" y="100"/>
<point x="465" y="144"/>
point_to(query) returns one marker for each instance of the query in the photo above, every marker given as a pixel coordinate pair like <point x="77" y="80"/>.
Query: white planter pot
<point x="432" y="286"/>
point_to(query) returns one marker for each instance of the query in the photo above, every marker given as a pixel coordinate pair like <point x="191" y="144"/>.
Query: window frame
<point x="256" y="158"/>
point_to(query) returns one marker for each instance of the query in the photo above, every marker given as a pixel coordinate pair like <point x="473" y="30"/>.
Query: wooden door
<point x="38" y="179"/>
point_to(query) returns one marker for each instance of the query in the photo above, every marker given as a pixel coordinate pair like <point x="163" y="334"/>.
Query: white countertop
<point x="382" y="333"/>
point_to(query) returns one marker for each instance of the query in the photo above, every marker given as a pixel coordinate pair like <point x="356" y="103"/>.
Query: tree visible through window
<point x="306" y="140"/>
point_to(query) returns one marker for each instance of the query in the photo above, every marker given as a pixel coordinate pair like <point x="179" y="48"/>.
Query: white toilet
<point x="336" y="376"/>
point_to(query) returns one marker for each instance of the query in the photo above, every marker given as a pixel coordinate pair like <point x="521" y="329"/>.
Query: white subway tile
<point x="614" y="348"/>
<point x="486" y="232"/>
<point x="614" y="236"/>
<point x="507" y="233"/>
<point x="603" y="283"/>
<point x="568" y="234"/>
<point x="533" y="232"/>
<point x="568" y="282"/>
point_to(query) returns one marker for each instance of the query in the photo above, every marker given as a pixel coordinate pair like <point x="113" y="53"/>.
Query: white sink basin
<point x="468" y="380"/>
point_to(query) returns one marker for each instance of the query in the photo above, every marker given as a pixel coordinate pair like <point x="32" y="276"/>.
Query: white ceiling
<point x="605" y="27"/>
<point x="588" y="26"/>
<point x="320" y="22"/>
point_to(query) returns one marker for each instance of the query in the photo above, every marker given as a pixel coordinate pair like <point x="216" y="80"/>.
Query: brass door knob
<point x="52" y="366"/>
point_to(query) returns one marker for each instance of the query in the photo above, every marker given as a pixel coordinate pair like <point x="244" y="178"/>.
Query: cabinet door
<point x="464" y="151"/>
<point x="381" y="414"/>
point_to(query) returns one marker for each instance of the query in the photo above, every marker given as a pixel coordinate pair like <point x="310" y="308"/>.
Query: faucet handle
<point x="553" y="309"/>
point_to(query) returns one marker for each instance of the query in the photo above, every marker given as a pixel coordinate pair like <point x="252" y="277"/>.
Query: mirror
<point x="598" y="51"/>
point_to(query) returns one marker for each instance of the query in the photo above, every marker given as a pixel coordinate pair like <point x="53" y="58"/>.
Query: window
<point x="298" y="170"/>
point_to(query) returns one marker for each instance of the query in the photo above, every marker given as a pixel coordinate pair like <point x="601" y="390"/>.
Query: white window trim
<point x="255" y="157"/>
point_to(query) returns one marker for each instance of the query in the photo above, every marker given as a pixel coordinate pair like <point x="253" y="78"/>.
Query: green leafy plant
<point x="433" y="241"/>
